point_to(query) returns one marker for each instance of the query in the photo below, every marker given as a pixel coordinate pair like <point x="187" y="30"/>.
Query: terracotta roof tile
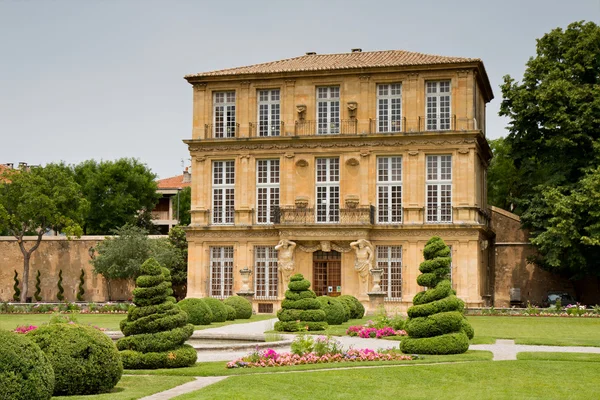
<point x="318" y="62"/>
<point x="174" y="182"/>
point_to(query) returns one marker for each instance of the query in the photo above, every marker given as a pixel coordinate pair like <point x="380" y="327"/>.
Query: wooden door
<point x="327" y="273"/>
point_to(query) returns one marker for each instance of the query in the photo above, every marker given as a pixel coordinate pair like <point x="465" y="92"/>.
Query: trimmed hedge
<point x="450" y="343"/>
<point x="183" y="356"/>
<point x="85" y="360"/>
<point x="217" y="308"/>
<point x="300" y="310"/>
<point x="434" y="325"/>
<point x="231" y="314"/>
<point x="450" y="303"/>
<point x="160" y="341"/>
<point x="199" y="313"/>
<point x="293" y="326"/>
<point x="357" y="310"/>
<point x="306" y="294"/>
<point x="303" y="304"/>
<point x="443" y="289"/>
<point x="25" y="372"/>
<point x="242" y="306"/>
<point x="335" y="313"/>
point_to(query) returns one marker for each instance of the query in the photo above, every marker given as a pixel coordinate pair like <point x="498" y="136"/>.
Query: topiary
<point x="167" y="275"/>
<point x="300" y="310"/>
<point x="217" y="308"/>
<point x="38" y="289"/>
<point x="85" y="360"/>
<point x="357" y="310"/>
<point x="81" y="290"/>
<point x="436" y="324"/>
<point x="242" y="307"/>
<point x="25" y="372"/>
<point x="156" y="328"/>
<point x="198" y="311"/>
<point x="231" y="313"/>
<point x="60" y="295"/>
<point x="335" y="313"/>
<point x="17" y="295"/>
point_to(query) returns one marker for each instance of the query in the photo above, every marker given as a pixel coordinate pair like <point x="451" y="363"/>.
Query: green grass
<point x="218" y="368"/>
<point x="135" y="387"/>
<point x="108" y="321"/>
<point x="482" y="380"/>
<point x="552" y="331"/>
<point x="543" y="356"/>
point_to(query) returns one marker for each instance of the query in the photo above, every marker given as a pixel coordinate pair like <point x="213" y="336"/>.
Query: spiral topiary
<point x="84" y="359"/>
<point x="156" y="328"/>
<point x="335" y="313"/>
<point x="167" y="275"/>
<point x="218" y="309"/>
<point x="436" y="324"/>
<point x="38" y="289"/>
<point x="242" y="306"/>
<point x="25" y="372"/>
<point x="60" y="295"/>
<point x="80" y="290"/>
<point x="198" y="311"/>
<point x="17" y="294"/>
<point x="300" y="310"/>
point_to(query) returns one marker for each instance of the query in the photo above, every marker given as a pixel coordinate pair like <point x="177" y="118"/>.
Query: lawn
<point x="480" y="380"/>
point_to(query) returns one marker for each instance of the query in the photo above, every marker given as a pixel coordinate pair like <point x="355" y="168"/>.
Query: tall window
<point x="438" y="105"/>
<point x="328" y="110"/>
<point x="223" y="192"/>
<point x="265" y="270"/>
<point x="389" y="258"/>
<point x="439" y="189"/>
<point x="268" y="113"/>
<point x="389" y="190"/>
<point x="267" y="189"/>
<point x="224" y="114"/>
<point x="328" y="190"/>
<point x="389" y="108"/>
<point x="221" y="271"/>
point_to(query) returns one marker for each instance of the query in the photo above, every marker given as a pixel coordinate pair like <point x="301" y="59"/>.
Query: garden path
<point x="505" y="349"/>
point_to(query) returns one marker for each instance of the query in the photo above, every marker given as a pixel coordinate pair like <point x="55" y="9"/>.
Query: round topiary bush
<point x="335" y="313"/>
<point x="357" y="310"/>
<point x="242" y="306"/>
<point x="231" y="313"/>
<point x="436" y="324"/>
<point x="218" y="309"/>
<point x="300" y="310"/>
<point x="198" y="311"/>
<point x="85" y="360"/>
<point x="156" y="328"/>
<point x="25" y="372"/>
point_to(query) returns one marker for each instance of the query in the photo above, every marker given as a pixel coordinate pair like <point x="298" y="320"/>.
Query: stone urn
<point x="245" y="273"/>
<point x="376" y="274"/>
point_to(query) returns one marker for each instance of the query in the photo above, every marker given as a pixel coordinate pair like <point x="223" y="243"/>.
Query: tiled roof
<point x="174" y="182"/>
<point x="318" y="62"/>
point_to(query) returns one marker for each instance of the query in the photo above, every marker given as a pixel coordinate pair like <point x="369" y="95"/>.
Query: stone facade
<point x="232" y="228"/>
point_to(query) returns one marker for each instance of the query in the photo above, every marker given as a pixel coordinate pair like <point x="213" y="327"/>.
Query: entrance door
<point x="327" y="273"/>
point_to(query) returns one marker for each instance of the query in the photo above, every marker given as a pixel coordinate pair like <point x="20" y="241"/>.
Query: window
<point x="328" y="190"/>
<point x="439" y="189"/>
<point x="221" y="271"/>
<point x="223" y="192"/>
<point x="265" y="269"/>
<point x="389" y="108"/>
<point x="389" y="259"/>
<point x="389" y="190"/>
<point x="438" y="106"/>
<point x="268" y="113"/>
<point x="267" y="190"/>
<point x="328" y="110"/>
<point x="224" y="114"/>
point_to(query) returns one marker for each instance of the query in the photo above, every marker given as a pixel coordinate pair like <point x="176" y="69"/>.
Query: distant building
<point x="164" y="215"/>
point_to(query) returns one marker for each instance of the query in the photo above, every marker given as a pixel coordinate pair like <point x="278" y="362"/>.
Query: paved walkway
<point x="507" y="349"/>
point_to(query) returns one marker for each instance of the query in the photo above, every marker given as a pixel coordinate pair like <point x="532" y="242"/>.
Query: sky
<point x="103" y="79"/>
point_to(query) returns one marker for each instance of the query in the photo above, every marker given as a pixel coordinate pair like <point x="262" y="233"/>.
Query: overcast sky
<point x="104" y="79"/>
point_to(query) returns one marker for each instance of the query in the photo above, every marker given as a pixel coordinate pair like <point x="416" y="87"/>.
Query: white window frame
<point x="224" y="124"/>
<point x="438" y="105"/>
<point x="327" y="191"/>
<point x="438" y="189"/>
<point x="221" y="272"/>
<point x="266" y="282"/>
<point x="389" y="258"/>
<point x="389" y="107"/>
<point x="328" y="110"/>
<point x="268" y="112"/>
<point x="267" y="189"/>
<point x="389" y="190"/>
<point x="223" y="192"/>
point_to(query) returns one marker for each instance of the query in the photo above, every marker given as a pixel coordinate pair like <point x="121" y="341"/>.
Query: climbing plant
<point x="17" y="294"/>
<point x="60" y="295"/>
<point x="38" y="289"/>
<point x="81" y="290"/>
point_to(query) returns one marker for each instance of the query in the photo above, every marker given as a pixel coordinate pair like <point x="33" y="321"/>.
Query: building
<point x="164" y="214"/>
<point x="334" y="165"/>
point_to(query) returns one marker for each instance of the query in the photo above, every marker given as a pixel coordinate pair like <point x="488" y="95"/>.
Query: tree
<point x="555" y="144"/>
<point x="179" y="266"/>
<point x="119" y="192"/>
<point x="502" y="178"/>
<point x="37" y="201"/>
<point x="183" y="205"/>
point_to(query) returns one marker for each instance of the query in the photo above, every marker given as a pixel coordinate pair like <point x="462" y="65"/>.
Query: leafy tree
<point x="183" y="205"/>
<point x="36" y="201"/>
<point x="502" y="178"/>
<point x="179" y="267"/>
<point x="555" y="144"/>
<point x="119" y="192"/>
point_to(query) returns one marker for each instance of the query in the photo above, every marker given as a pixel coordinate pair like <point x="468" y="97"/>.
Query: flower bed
<point x="372" y="332"/>
<point x="48" y="308"/>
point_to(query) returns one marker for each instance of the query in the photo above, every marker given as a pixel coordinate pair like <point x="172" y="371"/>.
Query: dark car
<point x="565" y="299"/>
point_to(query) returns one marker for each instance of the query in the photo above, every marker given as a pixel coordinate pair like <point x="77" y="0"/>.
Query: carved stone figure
<point x="365" y="255"/>
<point x="285" y="258"/>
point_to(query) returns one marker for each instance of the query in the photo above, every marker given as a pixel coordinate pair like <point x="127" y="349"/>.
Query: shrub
<point x="17" y="294"/>
<point x="435" y="322"/>
<point x="25" y="372"/>
<point x="357" y="310"/>
<point x="231" y="313"/>
<point x="242" y="306"/>
<point x="300" y="310"/>
<point x="85" y="360"/>
<point x="38" y="289"/>
<point x="217" y="307"/>
<point x="60" y="295"/>
<point x="198" y="311"/>
<point x="349" y="304"/>
<point x="81" y="290"/>
<point x="156" y="328"/>
<point x="335" y="313"/>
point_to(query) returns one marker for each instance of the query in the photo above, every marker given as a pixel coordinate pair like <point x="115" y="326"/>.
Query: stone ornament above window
<point x="301" y="110"/>
<point x="301" y="163"/>
<point x="351" y="201"/>
<point x="301" y="202"/>
<point x="352" y="162"/>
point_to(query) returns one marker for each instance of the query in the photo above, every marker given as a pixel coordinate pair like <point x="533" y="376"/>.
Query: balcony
<point x="388" y="215"/>
<point x="266" y="130"/>
<point x="323" y="215"/>
<point x="387" y="126"/>
<point x="438" y="214"/>
<point x="334" y="127"/>
<point x="222" y="131"/>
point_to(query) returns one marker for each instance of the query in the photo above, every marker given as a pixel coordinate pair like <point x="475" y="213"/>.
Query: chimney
<point x="22" y="164"/>
<point x="187" y="177"/>
<point x="356" y="50"/>
<point x="310" y="53"/>
<point x="10" y="165"/>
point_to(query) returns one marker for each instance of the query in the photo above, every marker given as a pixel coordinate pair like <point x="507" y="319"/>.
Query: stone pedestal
<point x="375" y="301"/>
<point x="247" y="295"/>
<point x="376" y="274"/>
